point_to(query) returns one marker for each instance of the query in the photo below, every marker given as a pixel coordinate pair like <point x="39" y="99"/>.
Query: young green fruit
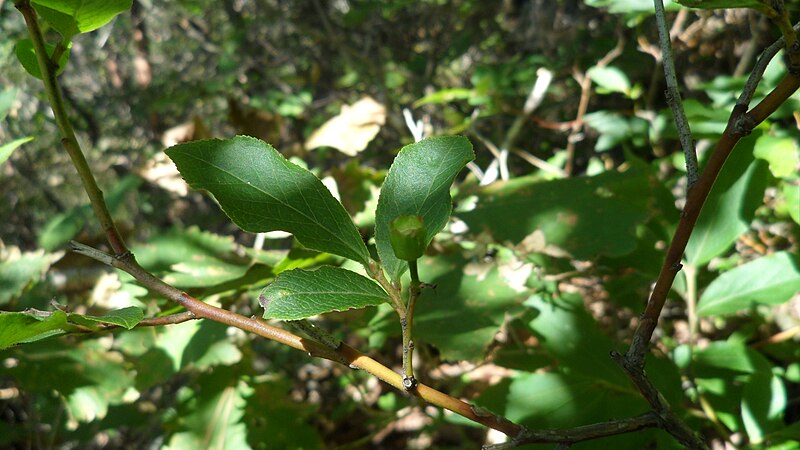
<point x="407" y="235"/>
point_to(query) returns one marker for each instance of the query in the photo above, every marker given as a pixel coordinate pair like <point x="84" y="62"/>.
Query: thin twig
<point x="570" y="436"/>
<point x="668" y="420"/>
<point x="583" y="104"/>
<point x="344" y="353"/>
<point x="758" y="70"/>
<point x="674" y="96"/>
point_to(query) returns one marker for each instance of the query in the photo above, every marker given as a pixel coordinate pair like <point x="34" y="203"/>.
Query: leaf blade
<point x="298" y="294"/>
<point x="125" y="317"/>
<point x="730" y="205"/>
<point x="769" y="280"/>
<point x="262" y="191"/>
<point x="418" y="183"/>
<point x="30" y="326"/>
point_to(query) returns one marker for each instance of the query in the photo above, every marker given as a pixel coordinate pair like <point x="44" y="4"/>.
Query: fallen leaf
<point x="350" y="131"/>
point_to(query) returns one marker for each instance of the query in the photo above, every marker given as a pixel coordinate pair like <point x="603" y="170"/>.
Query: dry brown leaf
<point x="350" y="131"/>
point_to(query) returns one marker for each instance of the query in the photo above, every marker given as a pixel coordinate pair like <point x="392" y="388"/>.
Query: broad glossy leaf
<point x="30" y="326"/>
<point x="418" y="183"/>
<point x="26" y="55"/>
<point x="770" y="280"/>
<point x="261" y="191"/>
<point x="586" y="216"/>
<point x="730" y="205"/>
<point x="197" y="344"/>
<point x="70" y="17"/>
<point x="9" y="147"/>
<point x="297" y="294"/>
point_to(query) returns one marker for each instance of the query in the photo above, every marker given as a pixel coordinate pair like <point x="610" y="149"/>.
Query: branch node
<point x="792" y="59"/>
<point x="409" y="383"/>
<point x="676" y="267"/>
<point x="743" y="125"/>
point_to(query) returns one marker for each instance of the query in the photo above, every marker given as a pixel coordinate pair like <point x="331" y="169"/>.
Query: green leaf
<point x="560" y="400"/>
<point x="782" y="154"/>
<point x="730" y="206"/>
<point x="27" y="56"/>
<point x="769" y="280"/>
<point x="298" y="293"/>
<point x="610" y="78"/>
<point x="261" y="191"/>
<point x="210" y="413"/>
<point x="125" y="317"/>
<point x="30" y="326"/>
<point x="197" y="344"/>
<point x="585" y="216"/>
<point x="8" y="148"/>
<point x="418" y="183"/>
<point x="18" y="270"/>
<point x="70" y="17"/>
<point x="763" y="404"/>
<point x="445" y="96"/>
<point x="571" y="335"/>
<point x="759" y="5"/>
<point x="7" y="97"/>
<point x="791" y="192"/>
<point x="63" y="227"/>
<point x="471" y="301"/>
<point x="725" y="357"/>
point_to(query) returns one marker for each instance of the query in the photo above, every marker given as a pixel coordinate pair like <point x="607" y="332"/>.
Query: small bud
<point x="407" y="235"/>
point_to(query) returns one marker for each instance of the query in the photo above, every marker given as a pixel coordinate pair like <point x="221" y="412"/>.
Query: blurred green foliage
<point x="538" y="274"/>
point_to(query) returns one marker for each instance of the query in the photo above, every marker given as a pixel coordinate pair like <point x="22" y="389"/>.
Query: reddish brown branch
<point x="344" y="353"/>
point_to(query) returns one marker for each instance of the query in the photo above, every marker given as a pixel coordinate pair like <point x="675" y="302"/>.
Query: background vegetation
<point x="559" y="228"/>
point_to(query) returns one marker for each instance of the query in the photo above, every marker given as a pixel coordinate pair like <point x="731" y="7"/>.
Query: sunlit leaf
<point x="18" y="270"/>
<point x="763" y="405"/>
<point x="70" y="17"/>
<point x="610" y="78"/>
<point x="584" y="216"/>
<point x="782" y="154"/>
<point x="418" y="183"/>
<point x="298" y="293"/>
<point x="769" y="280"/>
<point x="30" y="326"/>
<point x="261" y="191"/>
<point x="9" y="147"/>
<point x="26" y="55"/>
<point x="125" y="317"/>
